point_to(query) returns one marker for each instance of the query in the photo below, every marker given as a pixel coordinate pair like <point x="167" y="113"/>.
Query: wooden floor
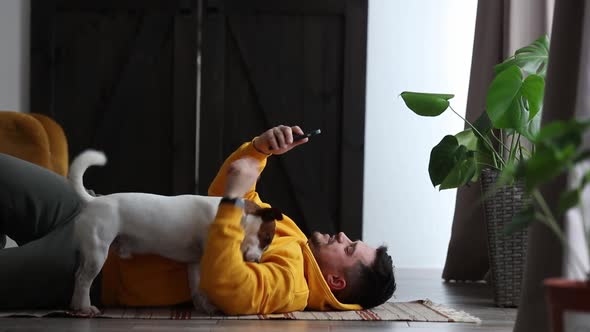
<point x="474" y="298"/>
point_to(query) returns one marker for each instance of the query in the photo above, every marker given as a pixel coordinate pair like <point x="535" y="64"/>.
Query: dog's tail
<point x="78" y="167"/>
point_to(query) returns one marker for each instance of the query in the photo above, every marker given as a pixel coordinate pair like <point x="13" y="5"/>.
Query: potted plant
<point x="558" y="153"/>
<point x="496" y="139"/>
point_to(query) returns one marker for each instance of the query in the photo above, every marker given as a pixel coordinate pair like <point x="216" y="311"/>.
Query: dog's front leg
<point x="200" y="300"/>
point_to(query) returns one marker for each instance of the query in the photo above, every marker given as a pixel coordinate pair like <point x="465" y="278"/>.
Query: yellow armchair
<point x="35" y="138"/>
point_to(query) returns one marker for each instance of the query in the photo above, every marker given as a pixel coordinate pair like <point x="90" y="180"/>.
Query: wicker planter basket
<point x="507" y="253"/>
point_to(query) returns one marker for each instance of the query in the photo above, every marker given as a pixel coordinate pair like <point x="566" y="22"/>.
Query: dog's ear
<point x="269" y="214"/>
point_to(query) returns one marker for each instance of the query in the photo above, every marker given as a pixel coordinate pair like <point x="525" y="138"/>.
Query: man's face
<point x="335" y="253"/>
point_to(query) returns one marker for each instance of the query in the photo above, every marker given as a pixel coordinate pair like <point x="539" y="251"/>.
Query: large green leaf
<point x="545" y="164"/>
<point x="560" y="134"/>
<point x="556" y="151"/>
<point x="503" y="99"/>
<point x="483" y="157"/>
<point x="468" y="139"/>
<point x="532" y="59"/>
<point x="482" y="154"/>
<point x="426" y="104"/>
<point x="444" y="157"/>
<point x="462" y="173"/>
<point x="533" y="128"/>
<point x="568" y="200"/>
<point x="551" y="131"/>
<point x="533" y="90"/>
<point x="510" y="99"/>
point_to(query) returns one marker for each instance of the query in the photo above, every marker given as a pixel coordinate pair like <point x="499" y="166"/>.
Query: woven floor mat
<point x="415" y="311"/>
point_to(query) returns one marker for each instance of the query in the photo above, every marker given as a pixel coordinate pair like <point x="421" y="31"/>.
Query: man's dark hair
<point x="369" y="286"/>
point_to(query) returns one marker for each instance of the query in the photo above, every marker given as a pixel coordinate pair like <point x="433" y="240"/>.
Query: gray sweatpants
<point x="37" y="210"/>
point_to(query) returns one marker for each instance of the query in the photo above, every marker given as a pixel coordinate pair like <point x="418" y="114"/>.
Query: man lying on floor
<point x="38" y="209"/>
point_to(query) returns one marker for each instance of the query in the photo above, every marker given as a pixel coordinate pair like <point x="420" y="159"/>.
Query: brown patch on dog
<point x="269" y="217"/>
<point x="266" y="214"/>
<point x="269" y="214"/>
<point x="266" y="233"/>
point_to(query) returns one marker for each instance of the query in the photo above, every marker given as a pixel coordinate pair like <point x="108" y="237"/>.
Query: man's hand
<point x="279" y="138"/>
<point x="241" y="176"/>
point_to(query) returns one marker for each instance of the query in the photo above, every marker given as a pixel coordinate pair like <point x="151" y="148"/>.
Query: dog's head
<point x="259" y="229"/>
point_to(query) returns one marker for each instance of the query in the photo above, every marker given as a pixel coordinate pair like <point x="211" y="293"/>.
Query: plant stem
<point x="521" y="157"/>
<point x="480" y="135"/>
<point x="550" y="221"/>
<point x="527" y="152"/>
<point x="494" y="155"/>
<point x="505" y="142"/>
<point x="516" y="145"/>
<point x="501" y="139"/>
<point x="495" y="160"/>
<point x="512" y="145"/>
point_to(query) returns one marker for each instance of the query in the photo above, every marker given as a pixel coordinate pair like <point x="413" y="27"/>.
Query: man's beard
<point x="315" y="239"/>
<point x="318" y="239"/>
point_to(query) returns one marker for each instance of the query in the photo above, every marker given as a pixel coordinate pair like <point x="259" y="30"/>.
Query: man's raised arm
<point x="234" y="286"/>
<point x="279" y="139"/>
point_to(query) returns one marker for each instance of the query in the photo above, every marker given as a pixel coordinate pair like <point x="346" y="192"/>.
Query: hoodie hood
<point x="320" y="295"/>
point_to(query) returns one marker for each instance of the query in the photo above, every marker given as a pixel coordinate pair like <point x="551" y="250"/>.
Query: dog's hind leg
<point x="92" y="258"/>
<point x="200" y="300"/>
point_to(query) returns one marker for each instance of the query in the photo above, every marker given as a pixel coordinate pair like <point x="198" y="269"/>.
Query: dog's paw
<point x="202" y="304"/>
<point x="88" y="312"/>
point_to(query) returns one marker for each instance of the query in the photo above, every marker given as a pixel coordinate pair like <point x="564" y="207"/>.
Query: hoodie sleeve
<point x="238" y="287"/>
<point x="217" y="187"/>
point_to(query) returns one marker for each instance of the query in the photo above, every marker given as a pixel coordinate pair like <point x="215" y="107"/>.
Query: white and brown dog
<point x="175" y="227"/>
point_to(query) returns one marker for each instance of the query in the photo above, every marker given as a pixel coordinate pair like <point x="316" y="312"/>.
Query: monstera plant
<point x="559" y="152"/>
<point x="514" y="103"/>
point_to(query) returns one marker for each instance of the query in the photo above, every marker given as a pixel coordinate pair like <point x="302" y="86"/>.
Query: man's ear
<point x="335" y="282"/>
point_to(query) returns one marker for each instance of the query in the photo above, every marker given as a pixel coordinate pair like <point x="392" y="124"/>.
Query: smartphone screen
<point x="309" y="134"/>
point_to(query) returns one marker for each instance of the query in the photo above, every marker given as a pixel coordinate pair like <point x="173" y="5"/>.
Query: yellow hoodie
<point x="287" y="278"/>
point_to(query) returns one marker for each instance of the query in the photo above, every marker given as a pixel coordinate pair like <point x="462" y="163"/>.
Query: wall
<point x="419" y="45"/>
<point x="14" y="55"/>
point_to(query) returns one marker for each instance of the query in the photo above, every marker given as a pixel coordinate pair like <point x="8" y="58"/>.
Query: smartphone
<point x="309" y="134"/>
<point x="297" y="137"/>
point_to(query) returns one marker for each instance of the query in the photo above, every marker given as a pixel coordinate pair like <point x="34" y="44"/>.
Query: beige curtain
<point x="578" y="220"/>
<point x="566" y="96"/>
<point x="501" y="27"/>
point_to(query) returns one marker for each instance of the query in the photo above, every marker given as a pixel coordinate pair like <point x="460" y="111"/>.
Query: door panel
<point x="267" y="63"/>
<point x="120" y="77"/>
